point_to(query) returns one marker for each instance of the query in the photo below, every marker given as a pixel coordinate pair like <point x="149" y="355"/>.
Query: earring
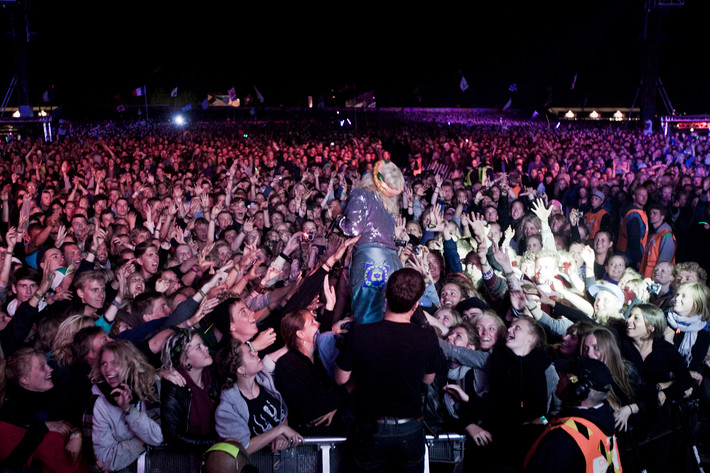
<point x="188" y="366"/>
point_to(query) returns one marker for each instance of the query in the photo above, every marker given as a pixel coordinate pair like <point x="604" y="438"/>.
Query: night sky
<point x="93" y="53"/>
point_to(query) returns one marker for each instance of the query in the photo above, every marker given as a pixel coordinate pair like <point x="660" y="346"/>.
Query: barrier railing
<point x="327" y="455"/>
<point x="316" y="455"/>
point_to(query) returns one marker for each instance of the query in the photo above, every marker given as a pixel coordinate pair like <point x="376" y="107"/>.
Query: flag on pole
<point x="508" y="104"/>
<point x="258" y="95"/>
<point x="121" y="108"/>
<point x="463" y="84"/>
<point x="187" y="108"/>
<point x="174" y="92"/>
<point x="232" y="94"/>
<point x="574" y="82"/>
<point x="139" y="92"/>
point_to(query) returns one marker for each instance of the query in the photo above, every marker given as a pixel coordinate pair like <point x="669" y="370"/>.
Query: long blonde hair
<point x="609" y="348"/>
<point x="61" y="347"/>
<point x="136" y="372"/>
<point x="393" y="177"/>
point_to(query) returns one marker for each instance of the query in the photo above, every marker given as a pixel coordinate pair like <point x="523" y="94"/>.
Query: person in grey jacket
<point x="121" y="427"/>
<point x="251" y="410"/>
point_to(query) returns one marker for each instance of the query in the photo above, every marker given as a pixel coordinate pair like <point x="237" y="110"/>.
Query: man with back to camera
<point x="388" y="362"/>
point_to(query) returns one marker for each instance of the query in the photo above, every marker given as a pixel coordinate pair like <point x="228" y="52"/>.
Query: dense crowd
<point x="181" y="286"/>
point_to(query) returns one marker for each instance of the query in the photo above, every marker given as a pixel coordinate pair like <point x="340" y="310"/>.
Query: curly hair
<point x="63" y="339"/>
<point x="229" y="359"/>
<point x="136" y="372"/>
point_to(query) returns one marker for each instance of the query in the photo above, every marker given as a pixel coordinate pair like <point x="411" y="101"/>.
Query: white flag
<point x="463" y="84"/>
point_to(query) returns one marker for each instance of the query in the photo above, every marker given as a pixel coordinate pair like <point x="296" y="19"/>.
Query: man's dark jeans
<point x="391" y="448"/>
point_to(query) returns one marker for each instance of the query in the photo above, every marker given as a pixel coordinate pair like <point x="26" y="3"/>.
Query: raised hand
<point x="11" y="238"/>
<point x="400" y="228"/>
<point x="478" y="226"/>
<point x="248" y="226"/>
<point x="542" y="211"/>
<point x="329" y="292"/>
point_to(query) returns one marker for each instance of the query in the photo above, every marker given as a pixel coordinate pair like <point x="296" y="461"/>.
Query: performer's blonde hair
<point x="389" y="173"/>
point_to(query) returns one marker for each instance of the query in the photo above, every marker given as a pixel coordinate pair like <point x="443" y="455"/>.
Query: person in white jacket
<point x="124" y="381"/>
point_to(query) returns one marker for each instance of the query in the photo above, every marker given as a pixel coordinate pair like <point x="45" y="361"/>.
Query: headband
<point x="183" y="336"/>
<point x="377" y="176"/>
<point x="229" y="448"/>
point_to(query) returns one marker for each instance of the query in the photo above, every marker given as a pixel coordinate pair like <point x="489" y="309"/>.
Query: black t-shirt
<point x="388" y="361"/>
<point x="265" y="412"/>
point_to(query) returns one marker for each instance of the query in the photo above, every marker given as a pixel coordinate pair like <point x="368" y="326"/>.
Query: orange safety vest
<point x="600" y="452"/>
<point x="623" y="241"/>
<point x="650" y="255"/>
<point x="593" y="221"/>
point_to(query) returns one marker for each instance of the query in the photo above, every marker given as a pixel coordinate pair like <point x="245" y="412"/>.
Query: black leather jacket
<point x="175" y="404"/>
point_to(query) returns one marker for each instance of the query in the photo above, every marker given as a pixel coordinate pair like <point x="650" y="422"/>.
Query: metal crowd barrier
<point x="328" y="455"/>
<point x="317" y="455"/>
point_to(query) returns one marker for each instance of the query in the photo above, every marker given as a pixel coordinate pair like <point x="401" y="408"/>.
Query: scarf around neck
<point x="690" y="326"/>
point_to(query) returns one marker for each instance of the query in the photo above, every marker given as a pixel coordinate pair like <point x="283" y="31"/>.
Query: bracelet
<point x="488" y="274"/>
<point x="202" y="293"/>
<point x="287" y="258"/>
<point x="261" y="289"/>
<point x="75" y="435"/>
<point x="39" y="297"/>
<point x="116" y="303"/>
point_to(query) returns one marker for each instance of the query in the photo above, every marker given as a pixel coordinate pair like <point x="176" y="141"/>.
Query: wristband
<point x="75" y="435"/>
<point x="287" y="258"/>
<point x="39" y="298"/>
<point x="116" y="303"/>
<point x="261" y="289"/>
<point x="202" y="293"/>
